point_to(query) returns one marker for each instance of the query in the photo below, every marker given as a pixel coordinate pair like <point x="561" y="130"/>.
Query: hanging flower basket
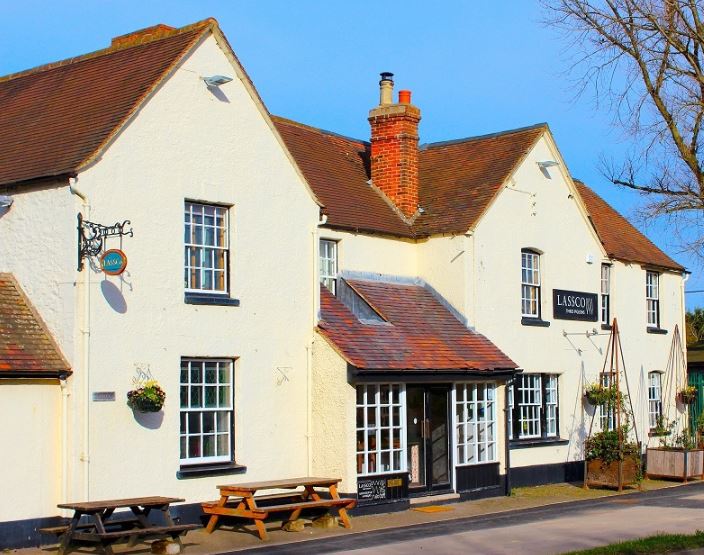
<point x="147" y="398"/>
<point x="598" y="394"/>
<point x="687" y="395"/>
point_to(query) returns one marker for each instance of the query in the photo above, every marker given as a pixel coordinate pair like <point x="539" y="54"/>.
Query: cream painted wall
<point x="31" y="455"/>
<point x="334" y="417"/>
<point x="189" y="142"/>
<point x="374" y="253"/>
<point x="543" y="213"/>
<point x="442" y="263"/>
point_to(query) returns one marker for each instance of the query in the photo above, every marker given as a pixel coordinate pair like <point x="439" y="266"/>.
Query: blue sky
<point x="473" y="67"/>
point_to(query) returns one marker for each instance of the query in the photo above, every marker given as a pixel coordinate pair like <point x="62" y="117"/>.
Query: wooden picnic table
<point x="103" y="530"/>
<point x="239" y="500"/>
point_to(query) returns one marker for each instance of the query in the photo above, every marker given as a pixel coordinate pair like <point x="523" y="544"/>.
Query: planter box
<point x="603" y="474"/>
<point x="680" y="464"/>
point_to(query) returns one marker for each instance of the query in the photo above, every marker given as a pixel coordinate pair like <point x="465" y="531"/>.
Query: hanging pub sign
<point x="575" y="305"/>
<point x="113" y="262"/>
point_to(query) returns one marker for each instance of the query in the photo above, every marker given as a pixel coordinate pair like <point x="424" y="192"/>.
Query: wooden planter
<point x="679" y="464"/>
<point x="598" y="473"/>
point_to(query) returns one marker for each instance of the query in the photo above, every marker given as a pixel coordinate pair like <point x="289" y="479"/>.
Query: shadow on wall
<point x="113" y="296"/>
<point x="149" y="420"/>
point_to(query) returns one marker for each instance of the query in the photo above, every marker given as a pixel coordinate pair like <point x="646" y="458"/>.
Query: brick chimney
<point x="394" y="151"/>
<point x="142" y="36"/>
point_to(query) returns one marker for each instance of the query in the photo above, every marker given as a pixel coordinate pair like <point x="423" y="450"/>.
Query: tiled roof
<point x="420" y="333"/>
<point x="458" y="180"/>
<point x="55" y="118"/>
<point x="26" y="346"/>
<point x="621" y="240"/>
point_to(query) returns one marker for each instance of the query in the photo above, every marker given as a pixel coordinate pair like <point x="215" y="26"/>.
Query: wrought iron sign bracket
<point x="91" y="237"/>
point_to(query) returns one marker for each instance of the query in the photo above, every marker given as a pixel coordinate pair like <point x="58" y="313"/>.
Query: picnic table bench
<point x="104" y="531"/>
<point x="238" y="500"/>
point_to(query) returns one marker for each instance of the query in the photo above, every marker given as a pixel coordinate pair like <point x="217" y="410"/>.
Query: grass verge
<point x="659" y="543"/>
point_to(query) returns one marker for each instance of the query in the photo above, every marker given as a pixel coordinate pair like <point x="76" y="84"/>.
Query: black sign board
<point x="384" y="488"/>
<point x="575" y="305"/>
<point x="371" y="489"/>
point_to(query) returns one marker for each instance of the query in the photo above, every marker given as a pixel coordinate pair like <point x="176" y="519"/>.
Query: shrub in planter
<point x="679" y="459"/>
<point x="604" y="457"/>
<point x="147" y="398"/>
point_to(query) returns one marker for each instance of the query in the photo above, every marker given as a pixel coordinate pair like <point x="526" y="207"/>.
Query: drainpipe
<point x="507" y="448"/>
<point x="64" y="441"/>
<point x="85" y="352"/>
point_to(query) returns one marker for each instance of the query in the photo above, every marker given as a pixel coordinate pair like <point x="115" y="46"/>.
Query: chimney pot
<point x="404" y="97"/>
<point x="386" y="89"/>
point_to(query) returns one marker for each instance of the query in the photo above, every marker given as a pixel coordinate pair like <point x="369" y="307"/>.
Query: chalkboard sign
<point x="369" y="490"/>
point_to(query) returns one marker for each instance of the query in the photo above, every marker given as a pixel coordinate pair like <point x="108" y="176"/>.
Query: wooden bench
<point x="58" y="530"/>
<point x="238" y="500"/>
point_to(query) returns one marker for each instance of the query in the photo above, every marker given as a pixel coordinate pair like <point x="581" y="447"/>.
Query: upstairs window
<point x="328" y="264"/>
<point x="606" y="294"/>
<point x="206" y="240"/>
<point x="530" y="284"/>
<point x="652" y="298"/>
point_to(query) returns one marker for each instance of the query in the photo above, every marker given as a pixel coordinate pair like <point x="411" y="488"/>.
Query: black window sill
<point x="606" y="326"/>
<point x="658" y="331"/>
<point x="205" y="470"/>
<point x="537" y="442"/>
<point x="535" y="322"/>
<point x="653" y="433"/>
<point x="213" y="300"/>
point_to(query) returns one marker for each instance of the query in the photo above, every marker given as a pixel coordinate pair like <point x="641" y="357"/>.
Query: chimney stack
<point x="394" y="146"/>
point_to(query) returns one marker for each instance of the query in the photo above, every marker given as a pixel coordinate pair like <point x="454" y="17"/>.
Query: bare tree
<point x="646" y="58"/>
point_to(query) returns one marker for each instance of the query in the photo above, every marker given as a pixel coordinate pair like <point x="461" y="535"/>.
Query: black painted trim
<point x="203" y="471"/>
<point x="606" y="327"/>
<point x="537" y="322"/>
<point x="357" y="375"/>
<point x="658" y="331"/>
<point x="212" y="300"/>
<point x="537" y="442"/>
<point x="540" y="474"/>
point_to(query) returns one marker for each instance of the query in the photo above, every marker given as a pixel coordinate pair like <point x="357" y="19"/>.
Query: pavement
<point x="543" y="519"/>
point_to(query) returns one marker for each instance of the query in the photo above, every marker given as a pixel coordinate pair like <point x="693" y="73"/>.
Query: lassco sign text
<point x="575" y="305"/>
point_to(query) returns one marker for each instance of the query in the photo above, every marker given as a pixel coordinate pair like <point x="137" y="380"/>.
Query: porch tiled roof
<point x="420" y="333"/>
<point x="27" y="349"/>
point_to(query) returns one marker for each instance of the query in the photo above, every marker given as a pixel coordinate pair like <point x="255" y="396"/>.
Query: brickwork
<point x="394" y="154"/>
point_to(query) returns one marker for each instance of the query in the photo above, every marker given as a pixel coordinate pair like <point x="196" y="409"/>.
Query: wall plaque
<point x="575" y="305"/>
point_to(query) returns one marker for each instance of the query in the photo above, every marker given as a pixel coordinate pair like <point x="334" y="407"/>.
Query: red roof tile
<point x="55" y="118"/>
<point x="458" y="180"/>
<point x="26" y="346"/>
<point x="420" y="334"/>
<point x="621" y="240"/>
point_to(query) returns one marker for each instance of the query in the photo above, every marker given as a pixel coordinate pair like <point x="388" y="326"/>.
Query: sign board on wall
<point x="575" y="305"/>
<point x="113" y="262"/>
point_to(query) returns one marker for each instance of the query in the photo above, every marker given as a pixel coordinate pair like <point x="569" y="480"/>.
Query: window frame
<point x="229" y="410"/>
<point x="534" y="285"/>
<point x="652" y="299"/>
<point x="332" y="278"/>
<point x="605" y="312"/>
<point x="654" y="402"/>
<point x="463" y="442"/>
<point x="376" y="405"/>
<point x="547" y="421"/>
<point x="226" y="250"/>
<point x="607" y="411"/>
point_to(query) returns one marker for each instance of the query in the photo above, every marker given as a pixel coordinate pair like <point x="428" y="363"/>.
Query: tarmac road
<point x="551" y="529"/>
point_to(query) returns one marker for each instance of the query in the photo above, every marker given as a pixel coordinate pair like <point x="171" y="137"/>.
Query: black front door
<point x="428" y="441"/>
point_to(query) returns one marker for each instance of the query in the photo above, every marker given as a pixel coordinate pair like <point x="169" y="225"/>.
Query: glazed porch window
<point x="652" y="298"/>
<point x="206" y="248"/>
<point x="606" y="294"/>
<point x="380" y="428"/>
<point x="533" y="407"/>
<point x="475" y="423"/>
<point x="654" y="399"/>
<point x="328" y="264"/>
<point x="530" y="284"/>
<point x="206" y="411"/>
